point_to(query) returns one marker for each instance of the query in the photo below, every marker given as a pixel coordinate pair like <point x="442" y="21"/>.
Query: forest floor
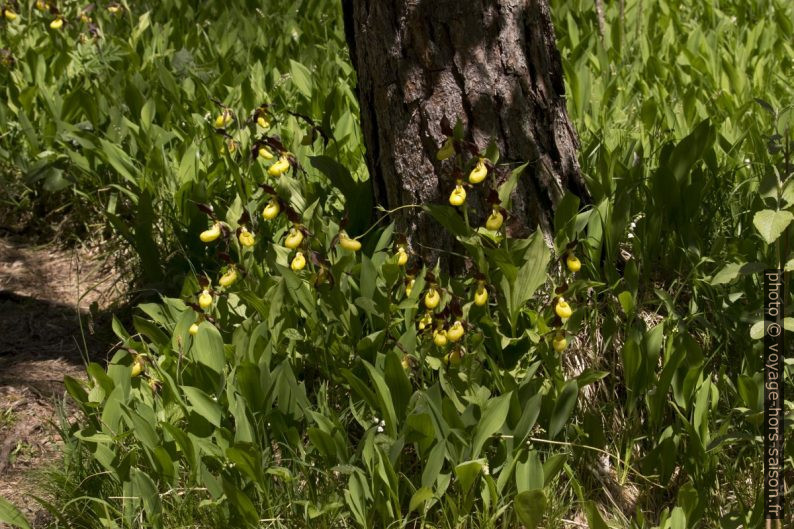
<point x="54" y="310"/>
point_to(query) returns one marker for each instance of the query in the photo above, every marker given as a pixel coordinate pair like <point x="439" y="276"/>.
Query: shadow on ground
<point x="56" y="307"/>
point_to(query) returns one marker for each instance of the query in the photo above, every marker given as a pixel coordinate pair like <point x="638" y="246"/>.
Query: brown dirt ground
<point x="54" y="306"/>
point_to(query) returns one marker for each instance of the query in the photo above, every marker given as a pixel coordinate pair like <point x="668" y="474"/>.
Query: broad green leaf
<point x="11" y="515"/>
<point x="433" y="464"/>
<point x="148" y="112"/>
<point x="493" y="418"/>
<point x="76" y="389"/>
<point x="564" y="215"/>
<point x="302" y="77"/>
<point x="449" y="218"/>
<point x="241" y="503"/>
<point x="143" y="429"/>
<point x="757" y="330"/>
<point x="150" y="330"/>
<point x="594" y="519"/>
<point x="385" y="401"/>
<point x="700" y="412"/>
<point x="419" y="429"/>
<point x="120" y="161"/>
<point x="531" y="410"/>
<point x="147" y="249"/>
<point x="678" y="519"/>
<point x="419" y="498"/>
<point x="467" y="472"/>
<point x="188" y="167"/>
<point x="626" y="300"/>
<point x="398" y="383"/>
<point x="726" y="274"/>
<point x="204" y="405"/>
<point x="183" y="441"/>
<point x="531" y="275"/>
<point x="530" y="506"/>
<point x="144" y="487"/>
<point x="690" y="149"/>
<point x="506" y="189"/>
<point x="770" y="224"/>
<point x="565" y="404"/>
<point x="552" y="466"/>
<point x="208" y="347"/>
<point x="246" y="458"/>
<point x="358" y="195"/>
<point x="529" y="472"/>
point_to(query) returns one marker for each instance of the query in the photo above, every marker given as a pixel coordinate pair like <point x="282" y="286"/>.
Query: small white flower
<point x="380" y="429"/>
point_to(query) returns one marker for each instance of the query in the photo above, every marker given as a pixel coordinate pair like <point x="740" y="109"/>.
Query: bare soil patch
<point x="54" y="314"/>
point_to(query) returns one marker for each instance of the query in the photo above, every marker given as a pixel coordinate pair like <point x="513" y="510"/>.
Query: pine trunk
<point x="494" y="65"/>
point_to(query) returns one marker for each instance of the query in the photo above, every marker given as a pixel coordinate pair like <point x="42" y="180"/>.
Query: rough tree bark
<point x="491" y="63"/>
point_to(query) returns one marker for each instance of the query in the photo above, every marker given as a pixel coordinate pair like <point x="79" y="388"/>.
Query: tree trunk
<point x="494" y="65"/>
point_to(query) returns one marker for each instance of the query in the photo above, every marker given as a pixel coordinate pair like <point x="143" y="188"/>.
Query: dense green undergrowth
<point x="322" y="394"/>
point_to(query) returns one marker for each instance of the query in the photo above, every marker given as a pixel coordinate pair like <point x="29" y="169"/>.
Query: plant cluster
<point x="304" y="367"/>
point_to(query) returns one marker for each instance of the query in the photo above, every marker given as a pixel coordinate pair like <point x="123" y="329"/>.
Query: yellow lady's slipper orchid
<point x="211" y="234"/>
<point x="246" y="238"/>
<point x="193" y="330"/>
<point x="440" y="337"/>
<point x="10" y="14"/>
<point x="280" y="167"/>
<point x="494" y="220"/>
<point x="298" y="262"/>
<point x="223" y="120"/>
<point x="481" y="295"/>
<point x="454" y="357"/>
<point x="409" y="287"/>
<point x="272" y="209"/>
<point x="262" y="122"/>
<point x="562" y="309"/>
<point x="458" y="196"/>
<point x="432" y="298"/>
<point x="265" y="153"/>
<point x="349" y="244"/>
<point x="57" y="23"/>
<point x="559" y="343"/>
<point x="137" y="366"/>
<point x="455" y="332"/>
<point x="479" y="172"/>
<point x="294" y="238"/>
<point x="205" y="299"/>
<point x="228" y="278"/>
<point x="402" y="256"/>
<point x="573" y="263"/>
